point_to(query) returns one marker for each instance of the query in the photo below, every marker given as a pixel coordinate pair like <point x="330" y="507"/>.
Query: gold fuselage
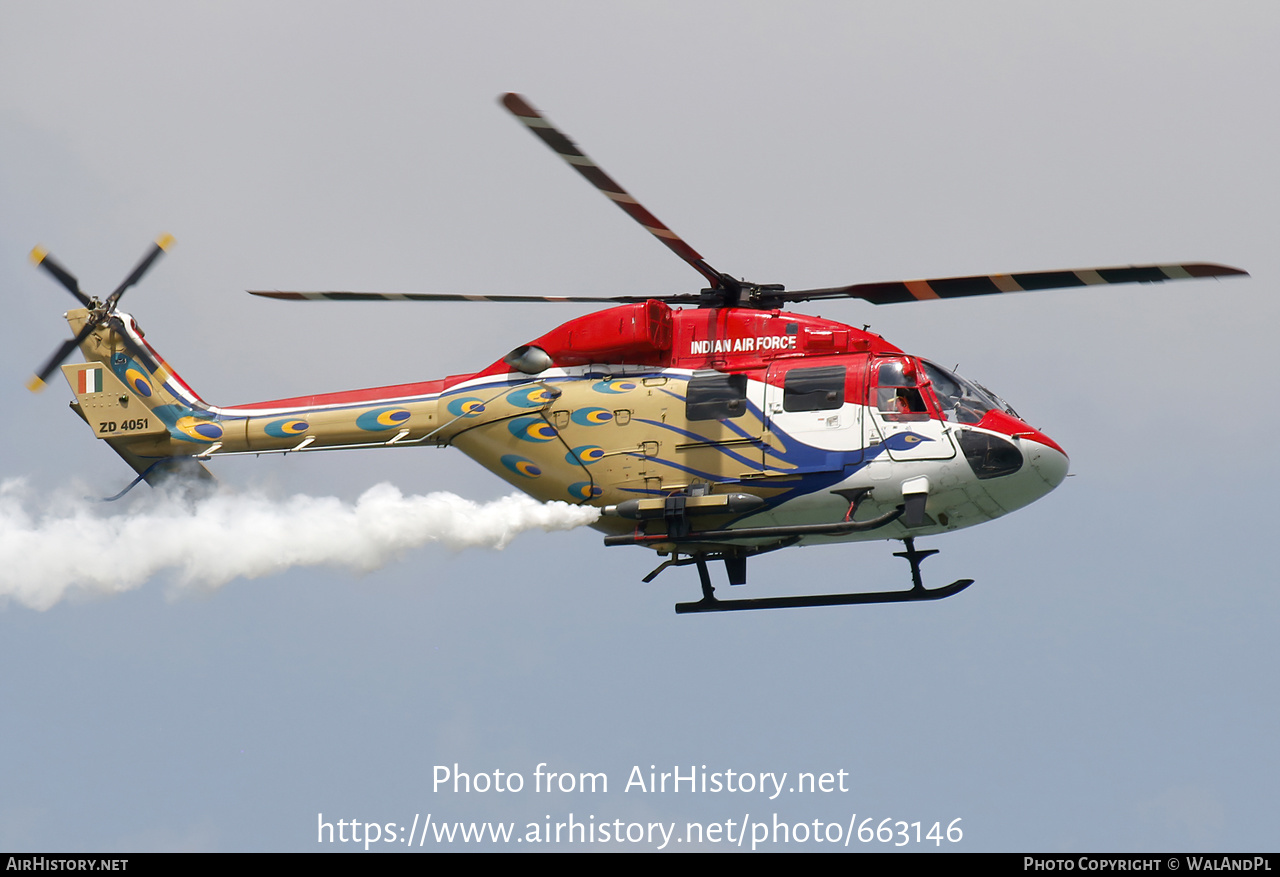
<point x="639" y="402"/>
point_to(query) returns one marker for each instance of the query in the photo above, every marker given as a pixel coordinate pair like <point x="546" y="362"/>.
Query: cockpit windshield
<point x="961" y="400"/>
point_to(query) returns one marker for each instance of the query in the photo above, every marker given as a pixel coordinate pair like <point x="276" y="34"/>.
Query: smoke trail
<point x="78" y="545"/>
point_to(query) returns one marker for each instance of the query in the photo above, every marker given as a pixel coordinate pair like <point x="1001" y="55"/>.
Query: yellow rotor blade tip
<point x="35" y="385"/>
<point x="37" y="254"/>
<point x="165" y="241"/>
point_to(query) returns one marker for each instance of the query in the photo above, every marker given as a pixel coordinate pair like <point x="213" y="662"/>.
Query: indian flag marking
<point x="90" y="381"/>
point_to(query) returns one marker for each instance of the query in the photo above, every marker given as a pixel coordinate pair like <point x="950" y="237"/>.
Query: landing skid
<point x="918" y="592"/>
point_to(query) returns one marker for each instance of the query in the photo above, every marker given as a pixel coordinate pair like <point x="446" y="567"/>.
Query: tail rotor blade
<point x="41" y="258"/>
<point x="163" y="243"/>
<point x="139" y="354"/>
<point x="36" y="384"/>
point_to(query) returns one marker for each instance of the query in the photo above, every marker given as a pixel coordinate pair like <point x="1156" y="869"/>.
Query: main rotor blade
<point x="989" y="284"/>
<point x="41" y="258"/>
<point x="162" y="243"/>
<point x="682" y="298"/>
<point x="578" y="160"/>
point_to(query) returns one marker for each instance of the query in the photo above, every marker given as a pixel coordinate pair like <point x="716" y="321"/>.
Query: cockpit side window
<point x="896" y="392"/>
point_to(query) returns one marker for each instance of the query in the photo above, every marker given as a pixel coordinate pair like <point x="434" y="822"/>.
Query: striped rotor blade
<point x="40" y="256"/>
<point x="162" y="243"/>
<point x="437" y="296"/>
<point x="578" y="160"/>
<point x="989" y="284"/>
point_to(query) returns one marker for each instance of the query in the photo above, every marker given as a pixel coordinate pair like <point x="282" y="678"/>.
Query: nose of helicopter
<point x="1016" y="465"/>
<point x="1043" y="467"/>
<point x="1047" y="460"/>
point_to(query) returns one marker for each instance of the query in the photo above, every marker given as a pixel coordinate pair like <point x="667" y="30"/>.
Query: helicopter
<point x="711" y="426"/>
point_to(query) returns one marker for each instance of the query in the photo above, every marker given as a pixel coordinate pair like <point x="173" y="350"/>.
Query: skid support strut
<point x="918" y="591"/>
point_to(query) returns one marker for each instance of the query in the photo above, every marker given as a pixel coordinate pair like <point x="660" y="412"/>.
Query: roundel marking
<point x="138" y="381"/>
<point x="382" y="418"/>
<point x="466" y="406"/>
<point x="520" y="465"/>
<point x="532" y="397"/>
<point x="200" y="430"/>
<point x="585" y="454"/>
<point x="532" y="429"/>
<point x="286" y="427"/>
<point x="614" y="387"/>
<point x="591" y="416"/>
<point x="584" y="490"/>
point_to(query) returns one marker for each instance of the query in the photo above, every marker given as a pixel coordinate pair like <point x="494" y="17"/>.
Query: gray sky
<point x="1107" y="683"/>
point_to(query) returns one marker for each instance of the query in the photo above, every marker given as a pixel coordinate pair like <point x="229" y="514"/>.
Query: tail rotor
<point x="100" y="312"/>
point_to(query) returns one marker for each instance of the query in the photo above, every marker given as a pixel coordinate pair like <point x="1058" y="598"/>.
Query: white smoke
<point x="76" y="544"/>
